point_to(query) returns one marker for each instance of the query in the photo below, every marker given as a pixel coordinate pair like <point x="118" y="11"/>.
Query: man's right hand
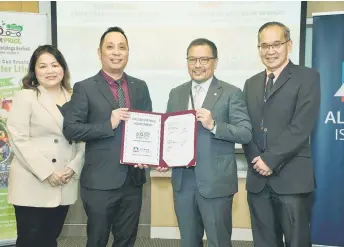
<point x="162" y="169"/>
<point x="118" y="115"/>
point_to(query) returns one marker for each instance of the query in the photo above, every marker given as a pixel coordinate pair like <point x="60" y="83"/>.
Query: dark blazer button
<point x="70" y="142"/>
<point x="53" y="160"/>
<point x="56" y="141"/>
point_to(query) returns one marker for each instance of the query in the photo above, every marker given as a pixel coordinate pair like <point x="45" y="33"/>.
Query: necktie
<point x="269" y="85"/>
<point x="197" y="97"/>
<point x="121" y="95"/>
<point x="122" y="104"/>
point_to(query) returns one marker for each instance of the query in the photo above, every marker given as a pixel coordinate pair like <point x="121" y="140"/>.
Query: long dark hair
<point x="30" y="80"/>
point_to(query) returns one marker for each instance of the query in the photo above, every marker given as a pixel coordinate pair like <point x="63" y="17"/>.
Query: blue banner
<point x="327" y="141"/>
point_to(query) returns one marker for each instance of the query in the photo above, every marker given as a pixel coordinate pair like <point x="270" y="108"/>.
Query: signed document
<point x="154" y="139"/>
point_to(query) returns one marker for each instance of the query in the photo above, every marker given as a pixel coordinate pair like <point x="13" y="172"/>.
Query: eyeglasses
<point x="202" y="60"/>
<point x="274" y="46"/>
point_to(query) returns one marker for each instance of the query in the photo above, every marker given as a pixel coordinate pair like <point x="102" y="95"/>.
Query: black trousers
<point x="39" y="227"/>
<point x="116" y="210"/>
<point x="274" y="216"/>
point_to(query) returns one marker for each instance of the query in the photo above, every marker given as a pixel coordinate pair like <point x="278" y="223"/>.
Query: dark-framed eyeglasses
<point x="202" y="60"/>
<point x="274" y="46"/>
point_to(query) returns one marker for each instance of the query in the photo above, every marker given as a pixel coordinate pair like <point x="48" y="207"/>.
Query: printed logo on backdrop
<point x="336" y="117"/>
<point x="20" y="35"/>
<point x="12" y="48"/>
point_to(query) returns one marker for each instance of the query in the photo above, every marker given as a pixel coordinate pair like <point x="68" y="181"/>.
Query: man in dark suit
<point x="283" y="103"/>
<point x="203" y="195"/>
<point x="111" y="192"/>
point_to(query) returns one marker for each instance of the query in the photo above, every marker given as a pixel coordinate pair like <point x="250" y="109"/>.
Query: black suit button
<point x="53" y="160"/>
<point x="70" y="142"/>
<point x="56" y="141"/>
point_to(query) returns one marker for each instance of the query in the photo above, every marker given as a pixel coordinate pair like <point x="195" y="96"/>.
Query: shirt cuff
<point x="214" y="129"/>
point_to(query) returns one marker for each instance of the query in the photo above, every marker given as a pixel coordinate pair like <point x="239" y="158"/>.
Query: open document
<point x="165" y="140"/>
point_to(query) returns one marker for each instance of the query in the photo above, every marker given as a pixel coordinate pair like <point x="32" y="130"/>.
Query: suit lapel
<point x="105" y="90"/>
<point x="259" y="87"/>
<point x="281" y="80"/>
<point x="45" y="100"/>
<point x="214" y="92"/>
<point x="184" y="97"/>
<point x="132" y="90"/>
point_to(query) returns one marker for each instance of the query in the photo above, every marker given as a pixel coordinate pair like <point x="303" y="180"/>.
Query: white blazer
<point x="35" y="134"/>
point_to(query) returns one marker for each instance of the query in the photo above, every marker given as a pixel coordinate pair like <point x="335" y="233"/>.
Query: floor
<point x="141" y="242"/>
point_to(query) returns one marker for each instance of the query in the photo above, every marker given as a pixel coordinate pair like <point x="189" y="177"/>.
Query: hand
<point x="140" y="166"/>
<point x="205" y="117"/>
<point x="162" y="169"/>
<point x="67" y="175"/>
<point x="118" y="115"/>
<point x="55" y="179"/>
<point x="261" y="167"/>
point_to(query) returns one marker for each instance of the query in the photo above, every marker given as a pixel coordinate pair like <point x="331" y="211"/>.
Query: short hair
<point x="275" y="23"/>
<point x="30" y="80"/>
<point x="110" y="30"/>
<point x="203" y="41"/>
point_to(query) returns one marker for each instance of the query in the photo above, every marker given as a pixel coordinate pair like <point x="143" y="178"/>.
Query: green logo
<point x="11" y="30"/>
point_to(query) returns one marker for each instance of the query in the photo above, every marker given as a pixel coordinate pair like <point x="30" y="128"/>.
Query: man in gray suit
<point x="203" y="195"/>
<point x="283" y="103"/>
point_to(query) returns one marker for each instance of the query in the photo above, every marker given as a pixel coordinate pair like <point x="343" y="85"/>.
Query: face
<point x="274" y="57"/>
<point x="114" y="53"/>
<point x="201" y="72"/>
<point x="49" y="72"/>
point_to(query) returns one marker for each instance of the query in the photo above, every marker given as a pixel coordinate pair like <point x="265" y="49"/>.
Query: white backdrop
<point x="159" y="33"/>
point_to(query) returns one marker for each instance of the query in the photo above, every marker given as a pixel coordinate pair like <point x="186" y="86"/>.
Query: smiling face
<point x="49" y="72"/>
<point x="201" y="72"/>
<point x="274" y="58"/>
<point x="114" y="53"/>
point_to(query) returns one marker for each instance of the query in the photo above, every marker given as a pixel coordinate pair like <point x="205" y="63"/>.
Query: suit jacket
<point x="216" y="169"/>
<point x="35" y="133"/>
<point x="88" y="120"/>
<point x="289" y="114"/>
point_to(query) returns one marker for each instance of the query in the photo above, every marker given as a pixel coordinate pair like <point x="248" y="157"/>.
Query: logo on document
<point x="135" y="149"/>
<point x="340" y="92"/>
<point x="142" y="135"/>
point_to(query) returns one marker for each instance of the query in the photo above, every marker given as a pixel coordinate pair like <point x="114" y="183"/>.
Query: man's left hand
<point x="141" y="166"/>
<point x="261" y="167"/>
<point x="205" y="117"/>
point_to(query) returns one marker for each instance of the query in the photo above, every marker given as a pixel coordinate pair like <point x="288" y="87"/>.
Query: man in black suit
<point x="111" y="192"/>
<point x="283" y="103"/>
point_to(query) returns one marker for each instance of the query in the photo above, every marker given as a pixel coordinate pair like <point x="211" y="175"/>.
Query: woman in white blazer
<point x="44" y="172"/>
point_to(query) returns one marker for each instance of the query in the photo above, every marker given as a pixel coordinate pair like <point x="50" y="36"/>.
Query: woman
<point x="46" y="166"/>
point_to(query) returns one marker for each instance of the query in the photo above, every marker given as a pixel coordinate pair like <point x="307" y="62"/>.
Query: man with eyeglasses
<point x="283" y="103"/>
<point x="203" y="195"/>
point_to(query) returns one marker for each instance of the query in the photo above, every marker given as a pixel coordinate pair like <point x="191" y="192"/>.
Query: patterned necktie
<point x="269" y="85"/>
<point x="197" y="98"/>
<point x="121" y="95"/>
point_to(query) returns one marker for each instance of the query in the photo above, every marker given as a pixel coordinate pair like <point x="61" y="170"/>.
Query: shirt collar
<point x="205" y="85"/>
<point x="278" y="71"/>
<point x="109" y="79"/>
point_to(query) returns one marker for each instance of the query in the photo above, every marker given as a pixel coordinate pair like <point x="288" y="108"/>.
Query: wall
<point x="19" y="6"/>
<point x="325" y="6"/>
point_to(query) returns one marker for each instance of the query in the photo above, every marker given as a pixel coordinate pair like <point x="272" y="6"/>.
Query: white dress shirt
<point x="201" y="95"/>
